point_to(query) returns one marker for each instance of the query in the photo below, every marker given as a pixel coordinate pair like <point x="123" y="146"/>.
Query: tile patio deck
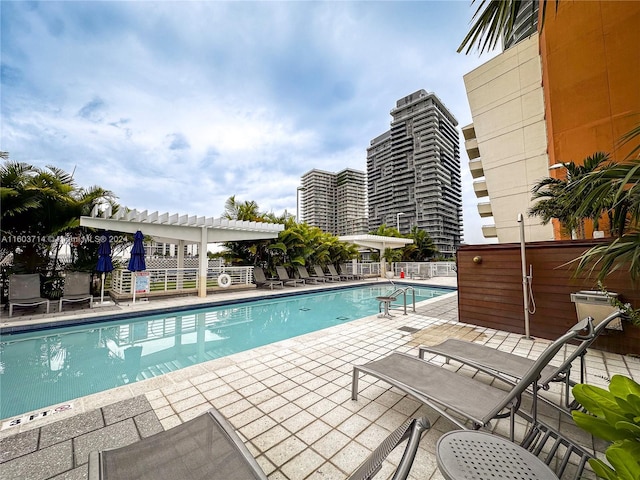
<point x="289" y="401"/>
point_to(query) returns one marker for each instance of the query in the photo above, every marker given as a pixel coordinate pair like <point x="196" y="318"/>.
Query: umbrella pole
<point x="133" y="279"/>
<point x="102" y="289"/>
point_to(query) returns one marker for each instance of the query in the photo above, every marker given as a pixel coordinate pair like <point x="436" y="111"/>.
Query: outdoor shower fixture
<point x="527" y="281"/>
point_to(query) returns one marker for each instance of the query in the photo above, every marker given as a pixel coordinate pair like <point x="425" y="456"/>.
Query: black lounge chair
<point x="304" y="275"/>
<point x="511" y="367"/>
<point x="286" y="279"/>
<point x="356" y="276"/>
<point x="262" y="280"/>
<point x="207" y="447"/>
<point x="320" y="273"/>
<point x="24" y="291"/>
<point x="454" y="395"/>
<point x="334" y="273"/>
<point x="77" y="288"/>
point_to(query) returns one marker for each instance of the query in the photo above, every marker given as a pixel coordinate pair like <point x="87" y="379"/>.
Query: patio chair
<point x="320" y="273"/>
<point x="334" y="273"/>
<point x="207" y="447"/>
<point x="262" y="280"/>
<point x="286" y="279"/>
<point x="566" y="458"/>
<point x="356" y="276"/>
<point x="24" y="291"/>
<point x="511" y="367"/>
<point x="77" y="288"/>
<point x="454" y="395"/>
<point x="304" y="275"/>
<point x="543" y="453"/>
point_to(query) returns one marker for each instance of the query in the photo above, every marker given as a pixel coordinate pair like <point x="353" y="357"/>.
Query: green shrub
<point x="613" y="415"/>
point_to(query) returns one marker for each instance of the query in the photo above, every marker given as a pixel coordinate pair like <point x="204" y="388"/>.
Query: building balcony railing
<point x="480" y="187"/>
<point x="489" y="231"/>
<point x="484" y="209"/>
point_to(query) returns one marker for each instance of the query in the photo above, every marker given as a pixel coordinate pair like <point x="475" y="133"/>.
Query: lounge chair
<point x="454" y="395"/>
<point x="24" y="291"/>
<point x="304" y="275"/>
<point x="262" y="280"/>
<point x="356" y="276"/>
<point x="320" y="273"/>
<point x="207" y="447"/>
<point x="286" y="279"/>
<point x="510" y="367"/>
<point x="77" y="288"/>
<point x="334" y="273"/>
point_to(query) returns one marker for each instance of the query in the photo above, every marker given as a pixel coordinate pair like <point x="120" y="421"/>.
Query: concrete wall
<point x="507" y="104"/>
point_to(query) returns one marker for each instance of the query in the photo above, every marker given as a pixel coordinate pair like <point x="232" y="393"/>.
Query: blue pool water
<point x="47" y="367"/>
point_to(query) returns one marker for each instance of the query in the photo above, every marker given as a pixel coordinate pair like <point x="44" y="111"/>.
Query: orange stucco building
<point x="590" y="53"/>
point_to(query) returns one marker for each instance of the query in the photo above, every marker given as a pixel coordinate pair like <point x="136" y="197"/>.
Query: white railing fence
<point x="179" y="279"/>
<point x="422" y="270"/>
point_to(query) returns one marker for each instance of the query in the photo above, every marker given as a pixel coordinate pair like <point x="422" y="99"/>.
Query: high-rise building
<point x="413" y="172"/>
<point x="351" y="202"/>
<point x="335" y="202"/>
<point x="552" y="98"/>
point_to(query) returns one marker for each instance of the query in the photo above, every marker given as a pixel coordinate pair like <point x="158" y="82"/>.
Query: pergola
<point x="377" y="242"/>
<point x="182" y="230"/>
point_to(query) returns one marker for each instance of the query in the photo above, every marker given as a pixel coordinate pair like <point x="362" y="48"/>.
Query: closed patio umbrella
<point x="136" y="262"/>
<point x="104" y="265"/>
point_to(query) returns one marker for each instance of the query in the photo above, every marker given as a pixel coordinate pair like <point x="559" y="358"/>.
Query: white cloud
<point x="175" y="106"/>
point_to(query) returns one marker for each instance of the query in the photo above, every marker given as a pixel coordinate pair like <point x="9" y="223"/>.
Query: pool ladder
<point x="384" y="304"/>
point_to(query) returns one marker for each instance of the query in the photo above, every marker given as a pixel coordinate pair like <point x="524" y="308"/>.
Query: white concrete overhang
<point x="182" y="229"/>
<point x="377" y="242"/>
<point x="170" y="228"/>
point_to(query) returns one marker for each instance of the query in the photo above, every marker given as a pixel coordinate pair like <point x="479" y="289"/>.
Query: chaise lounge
<point x="511" y="368"/>
<point x="286" y="279"/>
<point x="320" y="273"/>
<point x="304" y="275"/>
<point x="460" y="398"/>
<point x="334" y="273"/>
<point x="207" y="447"/>
<point x="262" y="280"/>
<point x="24" y="291"/>
<point x="77" y="288"/>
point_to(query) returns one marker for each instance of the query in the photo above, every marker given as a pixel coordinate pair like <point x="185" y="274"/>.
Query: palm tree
<point x="248" y="211"/>
<point x="618" y="187"/>
<point x="38" y="207"/>
<point x="421" y="249"/>
<point x="556" y="201"/>
<point x="494" y="20"/>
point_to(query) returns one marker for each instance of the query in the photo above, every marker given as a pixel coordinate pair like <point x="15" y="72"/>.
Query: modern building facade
<point x="507" y="142"/>
<point x="335" y="202"/>
<point x="413" y="172"/>
<point x="552" y="98"/>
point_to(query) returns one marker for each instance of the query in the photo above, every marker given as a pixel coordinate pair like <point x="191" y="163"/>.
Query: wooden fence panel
<point x="490" y="292"/>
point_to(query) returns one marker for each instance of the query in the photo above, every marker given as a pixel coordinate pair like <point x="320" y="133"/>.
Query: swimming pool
<point x="45" y="367"/>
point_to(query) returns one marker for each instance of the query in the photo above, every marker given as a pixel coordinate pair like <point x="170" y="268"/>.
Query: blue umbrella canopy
<point x="104" y="254"/>
<point x="136" y="262"/>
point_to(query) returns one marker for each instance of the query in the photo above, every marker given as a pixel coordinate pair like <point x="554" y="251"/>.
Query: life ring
<point x="224" y="280"/>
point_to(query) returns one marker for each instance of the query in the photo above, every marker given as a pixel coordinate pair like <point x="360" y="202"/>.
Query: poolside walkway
<point x="290" y="401"/>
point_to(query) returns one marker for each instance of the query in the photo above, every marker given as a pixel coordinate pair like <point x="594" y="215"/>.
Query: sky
<point x="175" y="106"/>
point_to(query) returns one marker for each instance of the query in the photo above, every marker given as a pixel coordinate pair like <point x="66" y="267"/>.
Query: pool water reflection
<point x="47" y="367"/>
